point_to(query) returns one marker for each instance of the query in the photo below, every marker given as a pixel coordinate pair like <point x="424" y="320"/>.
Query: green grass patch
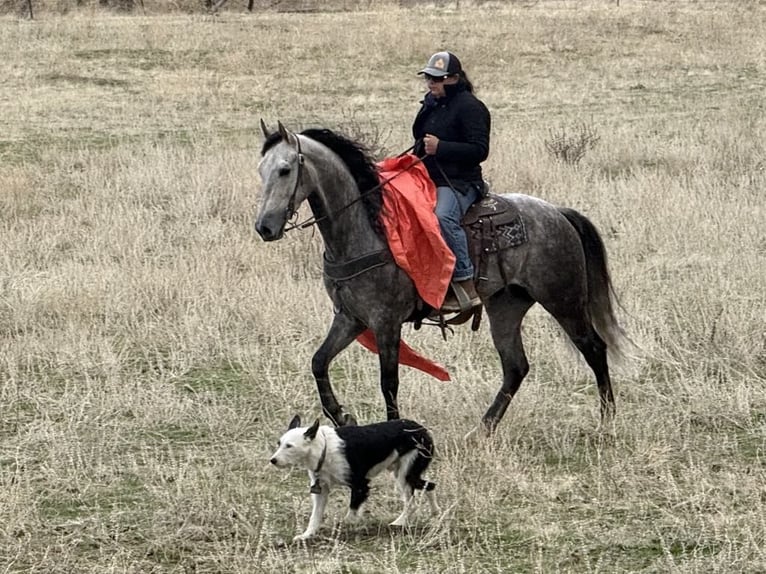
<point x="174" y="434"/>
<point x="635" y="556"/>
<point x="146" y="59"/>
<point x="21" y="152"/>
<point x="125" y="493"/>
<point x="221" y="379"/>
<point x="86" y="80"/>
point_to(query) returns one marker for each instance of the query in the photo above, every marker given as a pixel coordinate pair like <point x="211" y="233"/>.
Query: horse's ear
<point x="264" y="129"/>
<point x="296" y="422"/>
<point x="286" y="135"/>
<point x="283" y="131"/>
<point x="311" y="432"/>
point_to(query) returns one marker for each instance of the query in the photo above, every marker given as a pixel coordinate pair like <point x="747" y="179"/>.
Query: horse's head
<point x="281" y="170"/>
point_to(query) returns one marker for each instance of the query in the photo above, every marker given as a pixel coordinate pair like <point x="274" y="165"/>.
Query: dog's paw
<point x="352" y="517"/>
<point x="303" y="537"/>
<point x="435" y="509"/>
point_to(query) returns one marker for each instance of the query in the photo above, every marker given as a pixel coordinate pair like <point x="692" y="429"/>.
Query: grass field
<point x="152" y="348"/>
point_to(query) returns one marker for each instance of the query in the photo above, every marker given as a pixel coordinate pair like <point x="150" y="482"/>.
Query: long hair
<point x="463" y="79"/>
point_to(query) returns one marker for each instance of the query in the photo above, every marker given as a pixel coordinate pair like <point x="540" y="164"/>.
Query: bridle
<point x="313" y="220"/>
<point x="290" y="210"/>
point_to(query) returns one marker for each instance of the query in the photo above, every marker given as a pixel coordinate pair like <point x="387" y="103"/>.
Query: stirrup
<point x="464" y="302"/>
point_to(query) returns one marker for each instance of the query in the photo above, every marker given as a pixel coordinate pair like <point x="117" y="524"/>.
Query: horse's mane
<point x="359" y="162"/>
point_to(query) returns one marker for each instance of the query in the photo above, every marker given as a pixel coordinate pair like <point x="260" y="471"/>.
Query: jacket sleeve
<point x="474" y="121"/>
<point x="417" y="129"/>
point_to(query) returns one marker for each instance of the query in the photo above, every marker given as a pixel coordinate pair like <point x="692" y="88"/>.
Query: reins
<point x="313" y="220"/>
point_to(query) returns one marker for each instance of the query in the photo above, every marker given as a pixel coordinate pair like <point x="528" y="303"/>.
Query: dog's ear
<point x="311" y="432"/>
<point x="296" y="422"/>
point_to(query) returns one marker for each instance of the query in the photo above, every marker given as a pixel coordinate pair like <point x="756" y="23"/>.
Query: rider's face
<point x="436" y="85"/>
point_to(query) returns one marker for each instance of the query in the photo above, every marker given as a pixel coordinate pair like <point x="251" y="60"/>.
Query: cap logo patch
<point x="439" y="64"/>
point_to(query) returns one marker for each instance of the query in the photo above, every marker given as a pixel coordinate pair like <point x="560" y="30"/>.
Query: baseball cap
<point x="442" y="64"/>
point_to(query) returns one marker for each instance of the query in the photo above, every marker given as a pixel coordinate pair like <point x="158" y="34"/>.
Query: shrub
<point x="570" y="147"/>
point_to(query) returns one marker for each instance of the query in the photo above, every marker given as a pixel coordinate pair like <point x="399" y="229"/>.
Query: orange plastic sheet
<point x="412" y="229"/>
<point x="416" y="243"/>
<point x="407" y="356"/>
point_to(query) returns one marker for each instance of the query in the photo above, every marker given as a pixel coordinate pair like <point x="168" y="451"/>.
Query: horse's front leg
<point x="388" y="350"/>
<point x="343" y="331"/>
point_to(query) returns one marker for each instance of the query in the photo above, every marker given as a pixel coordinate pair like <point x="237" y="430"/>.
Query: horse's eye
<point x="283" y="171"/>
<point x="288" y="445"/>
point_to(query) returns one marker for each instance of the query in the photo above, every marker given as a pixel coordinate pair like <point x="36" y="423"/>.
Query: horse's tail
<point x="601" y="296"/>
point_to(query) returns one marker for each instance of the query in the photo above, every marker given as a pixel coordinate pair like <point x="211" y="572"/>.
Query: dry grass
<point x="152" y="348"/>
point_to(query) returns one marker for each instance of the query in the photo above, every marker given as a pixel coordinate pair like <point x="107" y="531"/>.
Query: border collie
<point x="351" y="456"/>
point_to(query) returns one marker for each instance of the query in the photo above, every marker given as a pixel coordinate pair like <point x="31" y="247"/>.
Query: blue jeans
<point x="451" y="205"/>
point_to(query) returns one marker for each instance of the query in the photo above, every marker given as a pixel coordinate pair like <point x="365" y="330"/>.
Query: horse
<point x="562" y="266"/>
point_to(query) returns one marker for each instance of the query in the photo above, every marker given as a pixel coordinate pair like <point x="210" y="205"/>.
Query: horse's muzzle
<point x="270" y="227"/>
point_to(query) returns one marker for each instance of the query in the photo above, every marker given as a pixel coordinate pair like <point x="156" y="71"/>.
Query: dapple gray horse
<point x="562" y="266"/>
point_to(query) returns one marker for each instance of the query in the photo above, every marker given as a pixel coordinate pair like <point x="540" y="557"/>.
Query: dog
<point x="351" y="456"/>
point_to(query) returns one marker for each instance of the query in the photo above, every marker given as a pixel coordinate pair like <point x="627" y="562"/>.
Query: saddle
<point x="492" y="225"/>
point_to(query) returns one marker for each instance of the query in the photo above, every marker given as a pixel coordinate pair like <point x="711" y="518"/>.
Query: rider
<point x="452" y="131"/>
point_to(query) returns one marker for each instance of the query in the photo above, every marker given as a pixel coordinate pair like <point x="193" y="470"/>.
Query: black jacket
<point x="462" y="123"/>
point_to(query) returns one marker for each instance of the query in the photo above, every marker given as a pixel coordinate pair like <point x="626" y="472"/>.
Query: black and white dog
<point x="351" y="456"/>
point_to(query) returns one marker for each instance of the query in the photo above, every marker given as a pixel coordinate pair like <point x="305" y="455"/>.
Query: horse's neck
<point x="342" y="219"/>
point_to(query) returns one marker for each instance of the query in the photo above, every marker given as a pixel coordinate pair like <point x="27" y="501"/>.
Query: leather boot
<point x="462" y="297"/>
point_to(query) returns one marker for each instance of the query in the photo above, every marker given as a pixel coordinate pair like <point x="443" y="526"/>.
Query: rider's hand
<point x="430" y="143"/>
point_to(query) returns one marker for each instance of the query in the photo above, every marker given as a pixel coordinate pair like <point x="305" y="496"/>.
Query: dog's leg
<point x="359" y="494"/>
<point x="319" y="501"/>
<point x="352" y="516"/>
<point x="432" y="502"/>
<point x="407" y="497"/>
<point x="405" y="489"/>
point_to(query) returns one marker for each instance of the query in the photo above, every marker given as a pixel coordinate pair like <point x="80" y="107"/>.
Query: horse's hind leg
<point x="506" y="311"/>
<point x="342" y="333"/>
<point x="593" y="348"/>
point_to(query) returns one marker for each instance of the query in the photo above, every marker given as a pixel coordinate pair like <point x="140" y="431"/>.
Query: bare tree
<point x="250" y="3"/>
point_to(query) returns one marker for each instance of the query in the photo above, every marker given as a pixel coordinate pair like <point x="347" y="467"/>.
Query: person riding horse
<point x="373" y="296"/>
<point x="451" y="132"/>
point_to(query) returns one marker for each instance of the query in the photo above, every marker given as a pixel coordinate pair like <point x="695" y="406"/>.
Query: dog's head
<point x="297" y="446"/>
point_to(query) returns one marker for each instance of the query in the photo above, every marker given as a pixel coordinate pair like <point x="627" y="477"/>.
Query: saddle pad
<point x="493" y="224"/>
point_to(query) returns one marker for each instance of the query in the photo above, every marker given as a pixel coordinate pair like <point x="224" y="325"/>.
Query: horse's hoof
<point x="489" y="425"/>
<point x="348" y="420"/>
<point x="480" y="431"/>
<point x="607" y="434"/>
<point x="471" y="434"/>
<point x="342" y="419"/>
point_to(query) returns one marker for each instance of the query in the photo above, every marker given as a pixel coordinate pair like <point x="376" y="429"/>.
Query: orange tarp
<point x="412" y="229"/>
<point x="416" y="243"/>
<point x="407" y="356"/>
